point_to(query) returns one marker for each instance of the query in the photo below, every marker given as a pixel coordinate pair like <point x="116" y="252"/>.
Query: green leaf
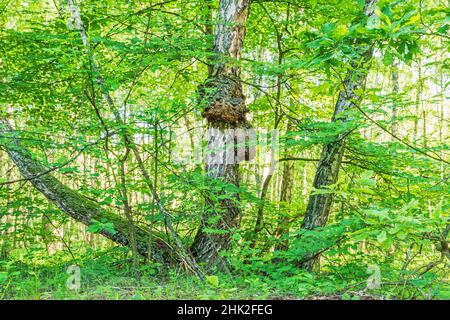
<point x="382" y="237"/>
<point x="388" y="59"/>
<point x="107" y="201"/>
<point x="213" y="280"/>
<point x="3" y="277"/>
<point x="340" y="31"/>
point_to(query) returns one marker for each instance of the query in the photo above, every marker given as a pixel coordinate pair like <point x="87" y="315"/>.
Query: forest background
<point x="129" y="167"/>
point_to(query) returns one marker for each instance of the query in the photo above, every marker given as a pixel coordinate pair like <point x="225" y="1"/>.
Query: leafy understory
<point x="224" y="149"/>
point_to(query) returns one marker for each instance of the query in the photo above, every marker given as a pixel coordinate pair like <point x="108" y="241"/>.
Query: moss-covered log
<point x="76" y="205"/>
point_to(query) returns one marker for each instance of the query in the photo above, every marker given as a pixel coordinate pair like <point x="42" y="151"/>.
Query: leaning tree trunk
<point x="74" y="204"/>
<point x="223" y="101"/>
<point x="319" y="205"/>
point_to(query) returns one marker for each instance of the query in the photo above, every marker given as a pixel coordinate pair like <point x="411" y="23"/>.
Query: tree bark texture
<point x="319" y="205"/>
<point x="224" y="109"/>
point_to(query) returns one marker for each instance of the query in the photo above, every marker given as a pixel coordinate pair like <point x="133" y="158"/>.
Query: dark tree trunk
<point x="225" y="110"/>
<point x="319" y="205"/>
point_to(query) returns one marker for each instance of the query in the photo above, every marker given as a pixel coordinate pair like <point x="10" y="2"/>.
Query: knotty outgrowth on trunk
<point x="225" y="110"/>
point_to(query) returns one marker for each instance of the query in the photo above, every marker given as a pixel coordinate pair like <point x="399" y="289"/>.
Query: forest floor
<point x="107" y="275"/>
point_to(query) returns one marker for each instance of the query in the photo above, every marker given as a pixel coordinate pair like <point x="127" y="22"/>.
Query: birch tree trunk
<point x="319" y="205"/>
<point x="224" y="109"/>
